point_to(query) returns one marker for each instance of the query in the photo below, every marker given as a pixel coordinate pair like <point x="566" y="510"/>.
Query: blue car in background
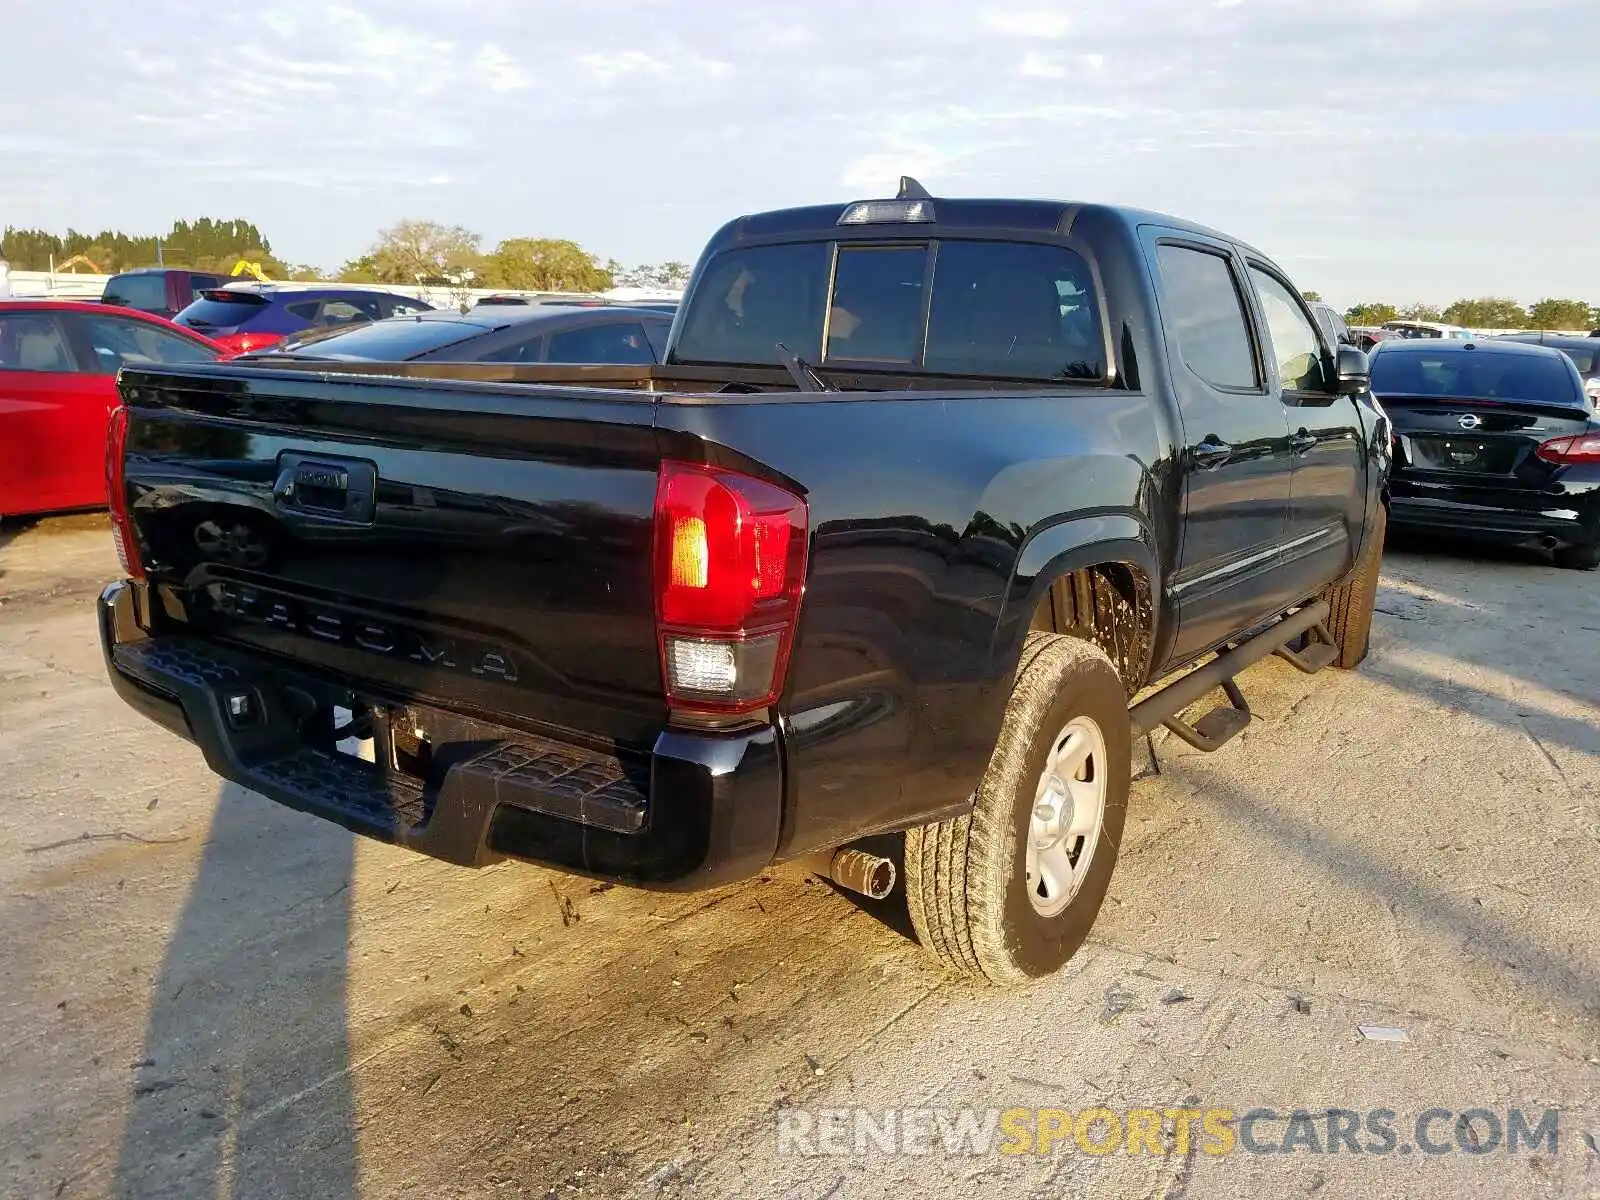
<point x="258" y="316"/>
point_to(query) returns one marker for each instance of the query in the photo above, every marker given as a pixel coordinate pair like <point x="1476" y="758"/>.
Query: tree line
<point x="204" y="245"/>
<point x="411" y="253"/>
<point x="1484" y="312"/>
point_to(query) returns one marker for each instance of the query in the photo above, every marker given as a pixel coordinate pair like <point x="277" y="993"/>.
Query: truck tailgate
<point x="483" y="546"/>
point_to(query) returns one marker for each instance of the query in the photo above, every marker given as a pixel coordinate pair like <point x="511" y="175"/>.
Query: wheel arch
<point x="1094" y="577"/>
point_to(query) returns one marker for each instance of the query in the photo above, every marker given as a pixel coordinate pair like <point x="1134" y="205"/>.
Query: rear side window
<point x="348" y="312"/>
<point x="222" y="310"/>
<point x="1584" y="360"/>
<point x="34" y="342"/>
<point x="1205" y="313"/>
<point x="306" y="310"/>
<point x="613" y="343"/>
<point x="1479" y="374"/>
<point x="148" y="293"/>
<point x="125" y="341"/>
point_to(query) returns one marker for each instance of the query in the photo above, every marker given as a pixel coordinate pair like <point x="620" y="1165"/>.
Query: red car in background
<point x="58" y="374"/>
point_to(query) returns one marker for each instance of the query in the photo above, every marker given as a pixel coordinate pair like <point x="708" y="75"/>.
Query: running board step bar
<point x="1314" y="655"/>
<point x="1225" y="722"/>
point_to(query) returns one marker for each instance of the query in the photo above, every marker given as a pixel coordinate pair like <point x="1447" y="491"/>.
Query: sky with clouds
<point x="1397" y="149"/>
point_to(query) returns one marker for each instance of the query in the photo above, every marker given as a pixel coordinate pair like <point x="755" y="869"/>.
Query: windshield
<point x="1013" y="309"/>
<point x="391" y="341"/>
<point x="1475" y="374"/>
<point x="222" y="310"/>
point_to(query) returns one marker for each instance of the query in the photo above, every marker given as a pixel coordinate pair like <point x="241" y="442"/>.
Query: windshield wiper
<point x="804" y="377"/>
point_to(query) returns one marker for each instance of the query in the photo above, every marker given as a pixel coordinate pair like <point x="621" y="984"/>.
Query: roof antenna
<point x="910" y="189"/>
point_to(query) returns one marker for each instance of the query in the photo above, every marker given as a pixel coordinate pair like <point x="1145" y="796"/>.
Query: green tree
<point x="414" y="252"/>
<point x="1311" y="297"/>
<point x="671" y="274"/>
<point x="205" y="244"/>
<point x="545" y="265"/>
<point x="1370" y="313"/>
<point x="1421" y="312"/>
<point x="1487" y="312"/>
<point x="1562" y="314"/>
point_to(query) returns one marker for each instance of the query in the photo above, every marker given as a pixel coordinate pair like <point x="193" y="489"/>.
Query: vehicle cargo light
<point x="729" y="569"/>
<point x="874" y="212"/>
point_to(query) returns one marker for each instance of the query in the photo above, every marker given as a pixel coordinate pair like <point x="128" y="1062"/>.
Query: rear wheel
<point x="1579" y="558"/>
<point x="1009" y="892"/>
<point x="1350" y="604"/>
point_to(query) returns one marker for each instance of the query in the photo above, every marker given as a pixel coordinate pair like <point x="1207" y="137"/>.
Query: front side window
<point x="1295" y="347"/>
<point x="119" y="343"/>
<point x="1206" y="314"/>
<point x="34" y="342"/>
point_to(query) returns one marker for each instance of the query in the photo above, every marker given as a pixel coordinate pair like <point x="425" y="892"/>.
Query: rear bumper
<point x="1530" y="518"/>
<point x="698" y="811"/>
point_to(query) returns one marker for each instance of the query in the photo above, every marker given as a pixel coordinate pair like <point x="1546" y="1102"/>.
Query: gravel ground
<point x="202" y="994"/>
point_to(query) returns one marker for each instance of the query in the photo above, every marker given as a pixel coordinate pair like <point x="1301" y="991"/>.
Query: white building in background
<point x="5" y="278"/>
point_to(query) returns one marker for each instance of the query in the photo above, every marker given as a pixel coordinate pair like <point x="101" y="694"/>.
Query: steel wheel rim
<point x="1066" y="816"/>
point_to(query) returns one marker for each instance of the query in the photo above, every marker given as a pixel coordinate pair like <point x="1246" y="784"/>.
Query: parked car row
<point x="58" y="384"/>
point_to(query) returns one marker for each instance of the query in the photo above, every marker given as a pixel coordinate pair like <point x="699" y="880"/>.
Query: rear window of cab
<point x="1022" y="310"/>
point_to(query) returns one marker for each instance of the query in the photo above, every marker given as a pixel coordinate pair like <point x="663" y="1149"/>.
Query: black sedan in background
<point x="1583" y="351"/>
<point x="535" y="333"/>
<point x="1494" y="440"/>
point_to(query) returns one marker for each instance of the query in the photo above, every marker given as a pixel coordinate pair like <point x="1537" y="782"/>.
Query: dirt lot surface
<point x="202" y="994"/>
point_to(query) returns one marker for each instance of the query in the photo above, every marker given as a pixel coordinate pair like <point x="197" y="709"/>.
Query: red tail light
<point x="239" y="343"/>
<point x="117" y="494"/>
<point x="1579" y="448"/>
<point x="730" y="564"/>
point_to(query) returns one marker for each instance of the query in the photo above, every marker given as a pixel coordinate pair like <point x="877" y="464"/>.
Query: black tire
<point x="1350" y="603"/>
<point x="965" y="878"/>
<point x="1579" y="558"/>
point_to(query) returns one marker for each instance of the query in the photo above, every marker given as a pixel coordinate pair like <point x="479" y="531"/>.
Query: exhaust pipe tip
<point x="868" y="874"/>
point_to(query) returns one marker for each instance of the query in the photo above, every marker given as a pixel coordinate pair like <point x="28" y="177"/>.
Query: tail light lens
<point x="117" y="494"/>
<point x="1579" y="448"/>
<point x="730" y="563"/>
<point x="240" y="343"/>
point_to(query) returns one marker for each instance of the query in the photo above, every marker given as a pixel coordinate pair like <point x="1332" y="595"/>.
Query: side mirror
<point x="1354" y="370"/>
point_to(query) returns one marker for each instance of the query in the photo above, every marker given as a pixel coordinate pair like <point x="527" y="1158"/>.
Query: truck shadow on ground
<point x="518" y="1024"/>
<point x="243" y="1087"/>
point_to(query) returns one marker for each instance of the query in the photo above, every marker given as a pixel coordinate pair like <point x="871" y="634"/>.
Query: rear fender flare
<point x="1057" y="550"/>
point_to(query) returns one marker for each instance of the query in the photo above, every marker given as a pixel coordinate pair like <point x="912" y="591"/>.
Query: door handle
<point x="1210" y="453"/>
<point x="1303" y="441"/>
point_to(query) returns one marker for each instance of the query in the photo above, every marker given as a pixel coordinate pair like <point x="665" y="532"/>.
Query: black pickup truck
<point x="919" y="524"/>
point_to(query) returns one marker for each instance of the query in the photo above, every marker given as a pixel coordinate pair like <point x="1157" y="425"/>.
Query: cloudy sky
<point x="1395" y="149"/>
